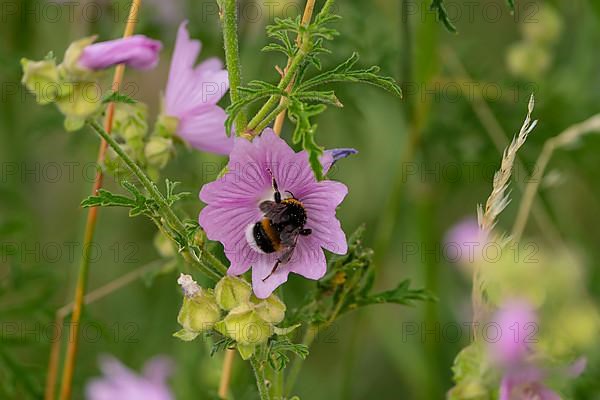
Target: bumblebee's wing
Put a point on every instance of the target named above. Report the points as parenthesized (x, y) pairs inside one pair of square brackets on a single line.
[(289, 239), (274, 211), (289, 236)]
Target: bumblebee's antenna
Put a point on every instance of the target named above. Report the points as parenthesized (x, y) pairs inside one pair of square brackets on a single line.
[(275, 188)]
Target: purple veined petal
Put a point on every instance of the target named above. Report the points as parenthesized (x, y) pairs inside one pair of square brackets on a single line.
[(228, 225), (577, 368), (242, 185), (328, 234), (206, 130), (261, 269), (308, 260), (323, 196), (138, 51), (241, 258), (290, 169), (330, 157)]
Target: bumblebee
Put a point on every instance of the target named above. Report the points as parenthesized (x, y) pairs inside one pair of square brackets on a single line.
[(279, 228)]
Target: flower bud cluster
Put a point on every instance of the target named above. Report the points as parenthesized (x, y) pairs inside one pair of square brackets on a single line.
[(66, 84), (230, 309)]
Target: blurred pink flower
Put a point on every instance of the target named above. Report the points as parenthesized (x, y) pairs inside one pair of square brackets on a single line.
[(517, 324), (119, 382), (192, 94), (233, 210), (512, 354), (136, 51), (464, 242), (527, 383)]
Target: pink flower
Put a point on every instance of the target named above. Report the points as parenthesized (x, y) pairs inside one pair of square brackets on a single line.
[(136, 51), (119, 382), (512, 354), (234, 210), (517, 324), (192, 94), (465, 242), (527, 383)]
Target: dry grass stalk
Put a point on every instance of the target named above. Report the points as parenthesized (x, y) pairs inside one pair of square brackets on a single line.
[(499, 198)]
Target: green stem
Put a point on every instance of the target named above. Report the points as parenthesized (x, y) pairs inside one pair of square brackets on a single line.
[(259, 374), (283, 84), (303, 49), (272, 115), (214, 271), (232, 58), (326, 7)]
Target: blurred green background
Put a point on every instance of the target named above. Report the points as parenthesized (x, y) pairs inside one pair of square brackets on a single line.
[(424, 164)]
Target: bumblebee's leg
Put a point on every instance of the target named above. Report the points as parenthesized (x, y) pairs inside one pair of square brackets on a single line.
[(275, 188), (285, 257), (305, 232), (273, 270), (291, 194)]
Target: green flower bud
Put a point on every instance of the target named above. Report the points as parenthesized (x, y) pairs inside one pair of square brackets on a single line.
[(232, 292), (70, 66), (77, 102), (166, 126), (158, 151), (199, 313), (245, 326), (41, 78), (130, 121), (270, 309)]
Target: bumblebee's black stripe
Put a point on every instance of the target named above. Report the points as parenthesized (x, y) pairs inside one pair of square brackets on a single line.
[(262, 239)]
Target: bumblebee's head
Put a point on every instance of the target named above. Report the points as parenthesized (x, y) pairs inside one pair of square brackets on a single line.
[(295, 211)]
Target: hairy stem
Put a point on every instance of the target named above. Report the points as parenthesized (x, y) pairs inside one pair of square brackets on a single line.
[(212, 271), (90, 228), (232, 58), (280, 109), (283, 84), (306, 17), (259, 375)]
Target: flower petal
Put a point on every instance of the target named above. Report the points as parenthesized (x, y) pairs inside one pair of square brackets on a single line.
[(180, 73), (205, 130), (136, 51), (158, 369), (261, 268)]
